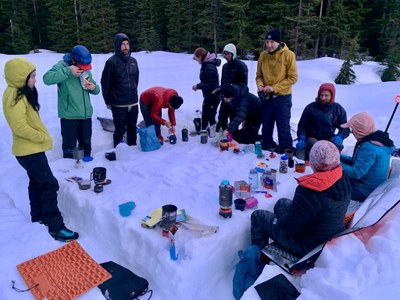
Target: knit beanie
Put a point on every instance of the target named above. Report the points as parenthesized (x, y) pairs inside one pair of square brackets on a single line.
[(231, 48), (273, 34), (175, 101), (362, 124), (324, 156)]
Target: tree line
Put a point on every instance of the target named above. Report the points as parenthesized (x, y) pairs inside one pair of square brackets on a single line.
[(346, 29)]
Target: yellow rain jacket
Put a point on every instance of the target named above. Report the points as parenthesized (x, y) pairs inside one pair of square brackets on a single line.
[(278, 70), (30, 135)]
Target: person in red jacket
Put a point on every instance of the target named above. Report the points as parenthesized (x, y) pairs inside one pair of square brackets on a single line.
[(152, 101)]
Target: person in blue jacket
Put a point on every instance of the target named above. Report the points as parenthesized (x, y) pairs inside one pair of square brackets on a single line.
[(369, 165), (321, 120)]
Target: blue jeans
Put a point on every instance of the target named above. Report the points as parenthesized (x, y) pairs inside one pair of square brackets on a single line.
[(42, 190), (277, 110)]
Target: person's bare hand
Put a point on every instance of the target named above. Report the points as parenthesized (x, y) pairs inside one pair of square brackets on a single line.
[(194, 88), (89, 85), (168, 124), (75, 70)]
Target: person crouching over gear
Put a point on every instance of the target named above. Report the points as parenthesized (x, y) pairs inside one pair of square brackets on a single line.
[(244, 109), (320, 120), (30, 141), (152, 101), (74, 85)]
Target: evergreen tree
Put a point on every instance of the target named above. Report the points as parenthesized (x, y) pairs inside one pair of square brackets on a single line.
[(147, 36), (20, 30), (177, 21), (5, 27), (61, 27), (127, 15), (346, 74), (99, 25)]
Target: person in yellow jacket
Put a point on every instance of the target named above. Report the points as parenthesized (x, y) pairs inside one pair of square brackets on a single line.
[(30, 141), (276, 73)]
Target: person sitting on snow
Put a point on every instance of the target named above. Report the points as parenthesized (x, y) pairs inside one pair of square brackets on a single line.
[(244, 109), (317, 210), (369, 165), (152, 101), (319, 121)]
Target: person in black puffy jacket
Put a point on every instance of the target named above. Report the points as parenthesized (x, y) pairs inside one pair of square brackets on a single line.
[(244, 109), (209, 81), (317, 210), (119, 84)]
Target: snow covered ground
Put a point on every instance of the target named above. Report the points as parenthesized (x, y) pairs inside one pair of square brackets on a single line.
[(188, 175)]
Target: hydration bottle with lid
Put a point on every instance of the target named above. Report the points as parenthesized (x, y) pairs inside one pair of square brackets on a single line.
[(253, 179), (283, 165)]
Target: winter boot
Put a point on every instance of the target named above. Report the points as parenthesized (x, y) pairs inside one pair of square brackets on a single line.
[(64, 235)]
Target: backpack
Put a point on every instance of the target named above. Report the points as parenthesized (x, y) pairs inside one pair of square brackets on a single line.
[(148, 138), (124, 284)]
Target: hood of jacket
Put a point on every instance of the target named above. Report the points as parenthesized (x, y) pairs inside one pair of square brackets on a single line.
[(321, 181), (119, 37), (17, 79), (327, 87)]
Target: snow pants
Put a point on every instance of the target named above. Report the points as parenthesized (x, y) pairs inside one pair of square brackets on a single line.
[(42, 190), (277, 110)]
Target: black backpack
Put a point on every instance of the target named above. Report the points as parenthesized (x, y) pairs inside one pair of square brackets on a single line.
[(124, 284)]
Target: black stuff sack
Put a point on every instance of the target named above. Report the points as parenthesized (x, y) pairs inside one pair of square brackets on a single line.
[(277, 288), (124, 284)]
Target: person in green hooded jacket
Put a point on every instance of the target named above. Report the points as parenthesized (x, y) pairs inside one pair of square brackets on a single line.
[(75, 84), (30, 141)]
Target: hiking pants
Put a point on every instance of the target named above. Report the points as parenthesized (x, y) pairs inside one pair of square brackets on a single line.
[(209, 110), (42, 190), (76, 130), (277, 110), (264, 225), (146, 113), (125, 119)]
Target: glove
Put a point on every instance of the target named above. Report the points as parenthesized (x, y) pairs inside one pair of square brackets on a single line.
[(337, 140), (262, 97), (301, 144)]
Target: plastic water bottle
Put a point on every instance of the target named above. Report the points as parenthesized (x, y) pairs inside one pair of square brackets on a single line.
[(197, 121), (253, 179), (283, 166), (122, 151)]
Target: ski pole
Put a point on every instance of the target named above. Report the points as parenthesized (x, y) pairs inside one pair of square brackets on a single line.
[(397, 100)]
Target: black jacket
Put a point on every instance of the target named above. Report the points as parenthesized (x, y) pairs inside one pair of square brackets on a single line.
[(313, 217), (234, 71), (321, 122), (209, 77), (120, 77), (243, 106)]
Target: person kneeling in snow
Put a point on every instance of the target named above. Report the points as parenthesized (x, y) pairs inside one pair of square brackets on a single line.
[(317, 210), (320, 120), (244, 109), (369, 165)]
